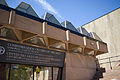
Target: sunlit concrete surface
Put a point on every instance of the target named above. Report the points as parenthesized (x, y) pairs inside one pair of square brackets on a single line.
[(107, 28)]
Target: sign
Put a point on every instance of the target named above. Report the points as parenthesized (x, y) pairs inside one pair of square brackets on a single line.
[(2, 50), (22, 54)]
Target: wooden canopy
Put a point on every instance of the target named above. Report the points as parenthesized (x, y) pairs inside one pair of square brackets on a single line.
[(27, 29)]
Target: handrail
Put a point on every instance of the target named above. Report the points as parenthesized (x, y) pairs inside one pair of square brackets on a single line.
[(109, 58)]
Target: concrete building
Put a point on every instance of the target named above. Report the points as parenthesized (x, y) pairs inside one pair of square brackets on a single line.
[(32, 48), (107, 28)]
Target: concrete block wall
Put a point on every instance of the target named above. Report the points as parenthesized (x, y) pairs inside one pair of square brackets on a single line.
[(107, 28)]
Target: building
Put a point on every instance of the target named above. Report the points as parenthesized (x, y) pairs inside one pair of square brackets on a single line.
[(33, 48), (107, 28)]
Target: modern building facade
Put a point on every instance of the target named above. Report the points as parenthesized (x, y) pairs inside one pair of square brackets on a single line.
[(33, 48)]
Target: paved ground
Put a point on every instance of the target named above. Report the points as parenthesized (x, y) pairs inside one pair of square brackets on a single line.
[(112, 74)]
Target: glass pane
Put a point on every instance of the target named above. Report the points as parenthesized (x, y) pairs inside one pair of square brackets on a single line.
[(21, 72), (91, 53), (69, 25), (7, 33), (36, 40), (26, 8), (51, 18), (4, 71), (23, 5), (24, 72), (43, 73), (77, 50), (58, 46), (55, 73)]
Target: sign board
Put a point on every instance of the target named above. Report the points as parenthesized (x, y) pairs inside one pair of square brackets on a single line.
[(22, 54)]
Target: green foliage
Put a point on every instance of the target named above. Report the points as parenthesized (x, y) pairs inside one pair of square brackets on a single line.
[(21, 72)]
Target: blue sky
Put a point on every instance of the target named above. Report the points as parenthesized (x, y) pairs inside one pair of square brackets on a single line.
[(79, 12)]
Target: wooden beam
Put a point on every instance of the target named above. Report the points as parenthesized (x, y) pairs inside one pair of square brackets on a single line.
[(12, 17), (46, 41), (2, 26), (18, 34), (29, 38), (52, 41)]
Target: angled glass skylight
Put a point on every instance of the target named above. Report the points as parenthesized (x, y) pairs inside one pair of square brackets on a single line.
[(51, 18), (83, 31), (79, 30), (68, 25), (3, 2), (26, 8)]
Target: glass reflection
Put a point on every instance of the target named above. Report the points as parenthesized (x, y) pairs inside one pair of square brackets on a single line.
[(25, 72), (8, 34), (36, 41), (77, 50), (21, 72), (42, 73), (45, 73)]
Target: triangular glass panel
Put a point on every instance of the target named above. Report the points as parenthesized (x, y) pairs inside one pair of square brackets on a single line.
[(91, 35), (8, 34), (36, 41), (77, 50), (26, 34), (79, 30), (3, 2), (26, 8), (91, 53), (83, 31), (72, 46), (69, 25), (59, 45), (49, 17)]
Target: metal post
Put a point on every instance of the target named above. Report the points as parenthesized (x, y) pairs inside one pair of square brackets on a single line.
[(33, 72), (60, 74), (52, 73), (9, 71), (110, 63)]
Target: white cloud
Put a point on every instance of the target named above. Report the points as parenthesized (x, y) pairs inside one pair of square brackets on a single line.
[(48, 7)]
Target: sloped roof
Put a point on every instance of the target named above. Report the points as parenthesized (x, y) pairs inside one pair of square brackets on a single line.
[(26, 8), (51, 18), (83, 31), (3, 2), (69, 25)]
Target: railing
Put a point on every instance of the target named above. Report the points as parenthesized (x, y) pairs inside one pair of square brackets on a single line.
[(109, 60)]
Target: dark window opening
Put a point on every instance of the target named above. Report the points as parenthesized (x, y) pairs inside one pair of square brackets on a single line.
[(27, 72)]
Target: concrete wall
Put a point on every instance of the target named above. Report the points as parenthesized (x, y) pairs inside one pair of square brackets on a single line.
[(80, 67), (107, 28)]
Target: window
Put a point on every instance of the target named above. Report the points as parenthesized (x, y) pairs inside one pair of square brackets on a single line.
[(27, 72)]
